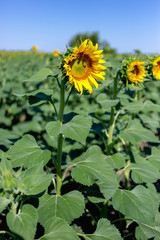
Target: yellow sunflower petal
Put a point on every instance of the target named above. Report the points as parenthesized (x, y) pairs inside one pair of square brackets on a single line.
[(87, 85), (93, 81)]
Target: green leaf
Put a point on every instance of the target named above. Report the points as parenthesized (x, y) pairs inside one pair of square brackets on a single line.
[(8, 179), (150, 106), (38, 97), (27, 126), (147, 231), (93, 168), (106, 103), (3, 203), (136, 133), (137, 204), (5, 164), (154, 159), (116, 160), (144, 171), (23, 223), (57, 229), (53, 128), (77, 129), (104, 231), (6, 136), (69, 206), (25, 152), (41, 75), (151, 121), (133, 107), (34, 180)]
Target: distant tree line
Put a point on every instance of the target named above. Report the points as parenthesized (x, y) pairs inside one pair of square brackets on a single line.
[(94, 37)]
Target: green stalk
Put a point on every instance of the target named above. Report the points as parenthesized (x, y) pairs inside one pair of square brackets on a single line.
[(8, 233), (112, 121), (60, 139)]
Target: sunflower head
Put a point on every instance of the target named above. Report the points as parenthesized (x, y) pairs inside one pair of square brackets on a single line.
[(56, 53), (34, 48), (156, 68), (132, 71), (136, 71), (83, 66)]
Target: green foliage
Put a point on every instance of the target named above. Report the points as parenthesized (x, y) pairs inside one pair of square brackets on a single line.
[(24, 223), (136, 133), (77, 129), (87, 172), (69, 206), (57, 228), (25, 152), (104, 231), (113, 187), (78, 38)]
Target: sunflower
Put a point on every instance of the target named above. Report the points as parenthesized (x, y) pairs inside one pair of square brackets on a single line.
[(83, 66), (136, 71), (34, 48), (156, 68), (56, 53)]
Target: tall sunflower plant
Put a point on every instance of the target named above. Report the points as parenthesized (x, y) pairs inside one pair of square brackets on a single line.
[(94, 182)]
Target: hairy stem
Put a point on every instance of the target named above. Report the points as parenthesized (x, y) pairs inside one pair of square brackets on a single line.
[(60, 140), (112, 120)]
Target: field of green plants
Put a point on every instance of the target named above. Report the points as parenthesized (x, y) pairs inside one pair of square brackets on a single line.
[(77, 166)]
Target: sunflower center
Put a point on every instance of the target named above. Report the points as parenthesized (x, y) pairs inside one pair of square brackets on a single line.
[(158, 63), (79, 68), (136, 70)]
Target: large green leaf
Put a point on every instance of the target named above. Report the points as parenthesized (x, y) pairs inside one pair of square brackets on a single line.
[(57, 229), (3, 203), (106, 103), (144, 171), (104, 231), (147, 231), (26, 152), (6, 136), (53, 128), (117, 160), (34, 180), (41, 75), (136, 133), (133, 107), (24, 223), (137, 204), (150, 106), (77, 129), (91, 168), (154, 159), (151, 121), (38, 97), (27, 126), (69, 206)]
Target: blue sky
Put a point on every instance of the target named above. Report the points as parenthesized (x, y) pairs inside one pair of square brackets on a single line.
[(50, 24)]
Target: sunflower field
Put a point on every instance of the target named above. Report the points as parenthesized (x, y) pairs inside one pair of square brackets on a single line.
[(79, 145)]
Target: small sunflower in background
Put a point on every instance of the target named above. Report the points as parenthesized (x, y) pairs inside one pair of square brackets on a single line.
[(56, 53), (133, 71), (156, 68), (136, 71), (83, 66), (153, 67), (34, 48)]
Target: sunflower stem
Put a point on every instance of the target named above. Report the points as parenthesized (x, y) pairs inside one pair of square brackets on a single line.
[(112, 119), (8, 233), (60, 139)]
